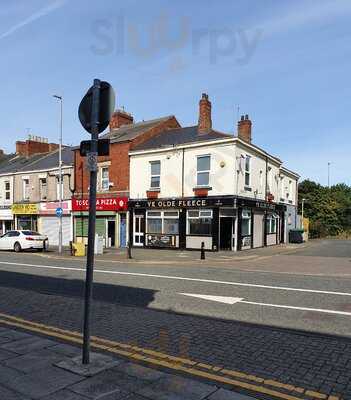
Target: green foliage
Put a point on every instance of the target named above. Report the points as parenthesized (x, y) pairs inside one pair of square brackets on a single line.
[(329, 209)]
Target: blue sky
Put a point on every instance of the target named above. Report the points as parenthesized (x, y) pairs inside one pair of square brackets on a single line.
[(285, 63)]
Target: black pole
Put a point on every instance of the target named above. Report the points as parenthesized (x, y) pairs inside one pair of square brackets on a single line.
[(130, 250), (92, 219), (202, 255)]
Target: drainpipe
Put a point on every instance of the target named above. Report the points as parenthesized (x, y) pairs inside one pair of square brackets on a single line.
[(183, 173)]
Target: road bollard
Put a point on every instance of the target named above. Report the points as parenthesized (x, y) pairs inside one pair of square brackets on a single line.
[(129, 248), (202, 257)]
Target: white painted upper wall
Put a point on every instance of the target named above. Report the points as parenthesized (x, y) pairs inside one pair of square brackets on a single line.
[(227, 172)]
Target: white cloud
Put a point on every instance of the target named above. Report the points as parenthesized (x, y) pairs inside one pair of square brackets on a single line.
[(38, 14)]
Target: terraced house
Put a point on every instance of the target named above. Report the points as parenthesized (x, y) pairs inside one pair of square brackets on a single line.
[(29, 188), (195, 185)]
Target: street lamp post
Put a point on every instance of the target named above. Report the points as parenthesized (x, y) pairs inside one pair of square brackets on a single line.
[(329, 174), (60, 170)]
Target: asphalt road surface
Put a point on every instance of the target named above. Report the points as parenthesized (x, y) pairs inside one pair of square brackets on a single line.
[(244, 316)]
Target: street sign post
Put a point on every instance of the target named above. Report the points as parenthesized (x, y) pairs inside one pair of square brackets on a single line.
[(95, 111), (59, 212)]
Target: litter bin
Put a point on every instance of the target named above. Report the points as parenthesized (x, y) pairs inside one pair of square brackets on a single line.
[(78, 249), (296, 235)]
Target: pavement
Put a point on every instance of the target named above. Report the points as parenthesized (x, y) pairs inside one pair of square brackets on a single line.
[(33, 367), (276, 326)]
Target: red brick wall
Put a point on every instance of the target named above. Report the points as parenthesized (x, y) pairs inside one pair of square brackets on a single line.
[(30, 147)]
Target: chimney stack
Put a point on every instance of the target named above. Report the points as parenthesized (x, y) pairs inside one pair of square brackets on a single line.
[(244, 128), (120, 118), (34, 145), (205, 121)]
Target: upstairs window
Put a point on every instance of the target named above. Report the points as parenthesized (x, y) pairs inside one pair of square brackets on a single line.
[(105, 179), (247, 171), (43, 189), (59, 188), (25, 189), (7, 190), (203, 170), (155, 167)]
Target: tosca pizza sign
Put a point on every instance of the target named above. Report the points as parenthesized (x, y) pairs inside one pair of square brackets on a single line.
[(102, 204)]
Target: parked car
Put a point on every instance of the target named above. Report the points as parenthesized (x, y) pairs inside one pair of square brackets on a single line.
[(23, 240)]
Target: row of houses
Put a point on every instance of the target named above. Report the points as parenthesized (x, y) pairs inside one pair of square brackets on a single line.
[(163, 185)]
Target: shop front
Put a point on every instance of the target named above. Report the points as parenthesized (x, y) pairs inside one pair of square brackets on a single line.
[(183, 223), (111, 220), (220, 223), (48, 222), (25, 216), (6, 219), (260, 223)]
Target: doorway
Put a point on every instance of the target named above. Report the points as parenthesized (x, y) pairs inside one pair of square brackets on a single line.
[(123, 231), (139, 228), (226, 233), (111, 233)]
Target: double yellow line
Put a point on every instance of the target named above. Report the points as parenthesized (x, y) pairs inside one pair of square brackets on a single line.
[(216, 374)]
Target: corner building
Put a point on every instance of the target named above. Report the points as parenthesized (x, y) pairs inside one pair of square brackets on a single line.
[(197, 185)]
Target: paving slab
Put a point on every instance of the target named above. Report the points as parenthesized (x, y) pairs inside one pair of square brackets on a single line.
[(139, 371), (7, 394), (9, 335), (64, 395), (27, 345), (44, 382), (177, 388), (66, 350), (97, 364), (5, 355), (34, 361), (8, 375), (108, 382)]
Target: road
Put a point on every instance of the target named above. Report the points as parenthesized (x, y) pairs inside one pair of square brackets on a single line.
[(254, 316)]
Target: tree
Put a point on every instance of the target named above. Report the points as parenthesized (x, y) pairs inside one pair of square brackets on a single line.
[(329, 209)]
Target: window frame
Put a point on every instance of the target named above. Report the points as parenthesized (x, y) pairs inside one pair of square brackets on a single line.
[(41, 192), (246, 214), (104, 180), (247, 171), (201, 215), (7, 191), (155, 162), (162, 215), (203, 171), (272, 224), (25, 189)]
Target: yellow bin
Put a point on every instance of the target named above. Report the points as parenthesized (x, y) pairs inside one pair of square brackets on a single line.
[(78, 249)]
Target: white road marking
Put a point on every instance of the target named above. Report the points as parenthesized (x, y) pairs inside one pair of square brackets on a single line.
[(180, 278), (234, 300), (220, 299)]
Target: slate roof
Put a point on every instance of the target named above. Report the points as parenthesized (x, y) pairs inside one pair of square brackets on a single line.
[(36, 162), (129, 132), (179, 136)]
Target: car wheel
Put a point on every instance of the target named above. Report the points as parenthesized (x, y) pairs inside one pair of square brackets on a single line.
[(17, 247), (40, 250)]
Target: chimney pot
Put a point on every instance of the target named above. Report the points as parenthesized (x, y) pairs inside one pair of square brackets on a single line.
[(205, 119)]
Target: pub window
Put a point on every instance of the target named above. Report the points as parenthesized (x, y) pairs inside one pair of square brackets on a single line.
[(247, 171), (199, 222), (203, 170), (246, 223), (271, 223), (163, 222), (155, 167), (7, 190)]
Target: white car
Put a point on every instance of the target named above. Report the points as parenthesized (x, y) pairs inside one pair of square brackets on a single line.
[(23, 240)]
